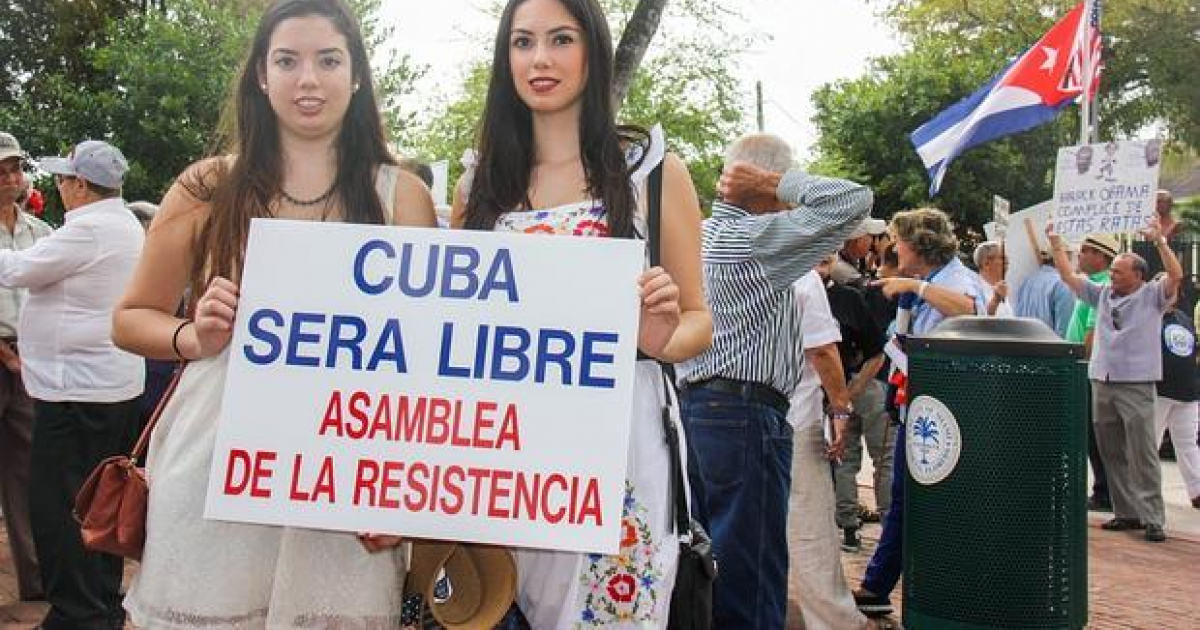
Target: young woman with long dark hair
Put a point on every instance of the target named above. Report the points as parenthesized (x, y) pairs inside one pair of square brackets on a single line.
[(551, 159), (308, 144)]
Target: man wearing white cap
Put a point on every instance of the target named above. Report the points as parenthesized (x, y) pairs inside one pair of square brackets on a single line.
[(854, 250), (84, 389), (21, 231), (872, 423)]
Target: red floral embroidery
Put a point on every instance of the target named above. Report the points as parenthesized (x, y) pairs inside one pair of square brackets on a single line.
[(622, 588), (540, 228), (591, 228), (629, 534)]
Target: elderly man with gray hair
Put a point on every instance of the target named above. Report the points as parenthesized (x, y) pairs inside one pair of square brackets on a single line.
[(992, 265), (1126, 363), (772, 226)]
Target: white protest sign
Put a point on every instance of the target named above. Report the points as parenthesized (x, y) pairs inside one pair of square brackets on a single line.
[(1023, 258), (441, 182), (1000, 211), (433, 383), (1106, 188), (989, 231)]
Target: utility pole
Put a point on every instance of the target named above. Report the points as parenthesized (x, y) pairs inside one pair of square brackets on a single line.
[(759, 105)]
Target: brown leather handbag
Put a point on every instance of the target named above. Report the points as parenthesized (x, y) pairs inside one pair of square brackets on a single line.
[(111, 504)]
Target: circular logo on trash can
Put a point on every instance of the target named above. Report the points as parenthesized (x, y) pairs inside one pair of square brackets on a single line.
[(1179, 340), (932, 440)]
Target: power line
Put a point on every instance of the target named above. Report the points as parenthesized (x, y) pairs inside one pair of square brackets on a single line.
[(785, 112)]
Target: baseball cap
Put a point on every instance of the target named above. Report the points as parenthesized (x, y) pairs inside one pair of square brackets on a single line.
[(9, 147), (1106, 243), (869, 226), (93, 161)]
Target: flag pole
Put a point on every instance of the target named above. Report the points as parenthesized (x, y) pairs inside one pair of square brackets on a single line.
[(1088, 118), (1085, 109)]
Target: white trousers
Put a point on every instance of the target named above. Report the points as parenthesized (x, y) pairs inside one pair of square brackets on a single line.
[(1182, 419), (816, 561)]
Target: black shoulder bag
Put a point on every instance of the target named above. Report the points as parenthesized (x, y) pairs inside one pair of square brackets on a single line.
[(692, 596)]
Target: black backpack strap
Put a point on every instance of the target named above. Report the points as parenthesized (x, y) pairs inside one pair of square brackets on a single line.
[(654, 216), (683, 523), (653, 226), (670, 430)]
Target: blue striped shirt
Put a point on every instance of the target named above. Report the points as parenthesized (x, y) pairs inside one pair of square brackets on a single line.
[(1043, 295), (750, 263)]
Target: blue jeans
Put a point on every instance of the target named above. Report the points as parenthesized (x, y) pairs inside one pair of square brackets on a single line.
[(743, 452), (887, 563)]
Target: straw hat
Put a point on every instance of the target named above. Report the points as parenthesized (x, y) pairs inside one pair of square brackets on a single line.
[(483, 582), (1105, 243)]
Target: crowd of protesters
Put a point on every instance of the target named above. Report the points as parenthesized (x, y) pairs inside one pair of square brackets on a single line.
[(775, 312)]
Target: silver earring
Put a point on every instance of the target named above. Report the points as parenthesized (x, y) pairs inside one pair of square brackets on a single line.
[(355, 87), (264, 87)]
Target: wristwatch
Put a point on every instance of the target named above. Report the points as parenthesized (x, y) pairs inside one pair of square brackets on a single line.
[(841, 413)]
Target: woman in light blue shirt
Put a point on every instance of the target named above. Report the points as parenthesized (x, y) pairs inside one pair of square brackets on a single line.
[(933, 285)]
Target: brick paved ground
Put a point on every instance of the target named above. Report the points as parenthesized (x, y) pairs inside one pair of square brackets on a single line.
[(1132, 584)]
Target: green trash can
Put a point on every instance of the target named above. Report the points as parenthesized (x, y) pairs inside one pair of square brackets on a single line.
[(995, 522)]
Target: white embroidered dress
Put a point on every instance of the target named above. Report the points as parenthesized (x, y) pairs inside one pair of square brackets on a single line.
[(632, 589), (197, 573)]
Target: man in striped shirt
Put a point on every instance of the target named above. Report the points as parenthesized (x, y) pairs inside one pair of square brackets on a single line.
[(774, 226)]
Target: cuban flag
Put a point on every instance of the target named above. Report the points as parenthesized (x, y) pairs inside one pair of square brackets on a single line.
[(1028, 93)]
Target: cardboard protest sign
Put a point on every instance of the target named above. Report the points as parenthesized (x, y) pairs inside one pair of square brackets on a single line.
[(1023, 257), (1105, 188), (432, 383), (1000, 212)]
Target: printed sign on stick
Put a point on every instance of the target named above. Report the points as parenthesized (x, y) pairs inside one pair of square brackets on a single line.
[(1000, 212), (432, 383)]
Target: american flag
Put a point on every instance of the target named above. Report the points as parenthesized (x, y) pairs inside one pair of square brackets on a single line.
[(1086, 53)]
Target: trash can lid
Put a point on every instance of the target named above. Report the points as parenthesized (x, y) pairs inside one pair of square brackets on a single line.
[(1003, 336)]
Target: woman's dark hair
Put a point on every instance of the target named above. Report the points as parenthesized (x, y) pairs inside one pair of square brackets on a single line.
[(242, 188), (505, 159)]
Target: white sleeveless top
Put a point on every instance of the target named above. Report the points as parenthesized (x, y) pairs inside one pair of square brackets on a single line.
[(197, 573), (631, 589)]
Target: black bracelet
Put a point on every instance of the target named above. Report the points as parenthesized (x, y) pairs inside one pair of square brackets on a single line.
[(175, 339)]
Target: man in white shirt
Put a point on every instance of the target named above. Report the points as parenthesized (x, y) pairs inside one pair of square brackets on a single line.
[(84, 388), (992, 265), (21, 231), (825, 599)]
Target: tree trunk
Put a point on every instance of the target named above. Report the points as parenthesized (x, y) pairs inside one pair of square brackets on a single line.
[(642, 26)]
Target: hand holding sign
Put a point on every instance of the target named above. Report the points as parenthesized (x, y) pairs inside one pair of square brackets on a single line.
[(374, 543), (1152, 231), (1055, 238), (215, 313), (660, 311)]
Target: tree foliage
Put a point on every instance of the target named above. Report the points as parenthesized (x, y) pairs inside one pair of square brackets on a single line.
[(44, 40), (952, 48), (152, 82)]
